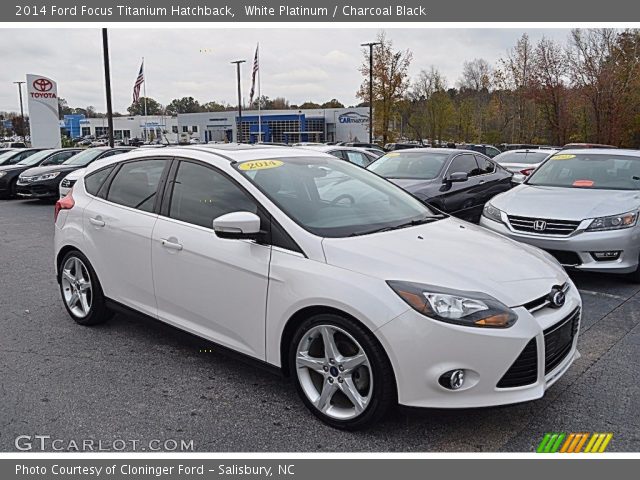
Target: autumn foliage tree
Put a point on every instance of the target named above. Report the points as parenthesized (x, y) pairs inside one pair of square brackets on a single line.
[(390, 84)]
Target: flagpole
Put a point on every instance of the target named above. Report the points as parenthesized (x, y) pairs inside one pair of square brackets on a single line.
[(260, 138), (144, 92)]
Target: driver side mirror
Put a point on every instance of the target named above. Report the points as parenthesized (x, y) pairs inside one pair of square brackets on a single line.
[(457, 177), (237, 226)]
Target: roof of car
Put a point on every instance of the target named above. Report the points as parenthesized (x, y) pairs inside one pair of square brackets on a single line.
[(600, 151), (548, 151), (433, 150)]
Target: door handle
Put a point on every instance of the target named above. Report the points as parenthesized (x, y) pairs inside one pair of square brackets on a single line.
[(482, 181), (97, 221), (171, 244)]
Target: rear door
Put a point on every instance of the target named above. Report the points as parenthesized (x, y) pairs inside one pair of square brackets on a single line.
[(210, 286), (118, 225)]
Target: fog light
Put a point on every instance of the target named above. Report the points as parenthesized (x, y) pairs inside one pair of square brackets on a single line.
[(609, 255), (452, 380)]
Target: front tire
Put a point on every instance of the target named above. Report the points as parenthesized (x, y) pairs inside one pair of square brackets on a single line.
[(341, 372), (81, 291)]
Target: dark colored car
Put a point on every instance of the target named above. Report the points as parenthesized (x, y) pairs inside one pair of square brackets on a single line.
[(44, 181), (455, 181), (13, 156), (9, 174)]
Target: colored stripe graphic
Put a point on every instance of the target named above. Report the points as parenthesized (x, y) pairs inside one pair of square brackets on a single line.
[(553, 442)]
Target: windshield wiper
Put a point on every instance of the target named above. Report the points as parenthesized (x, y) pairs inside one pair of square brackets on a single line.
[(412, 223)]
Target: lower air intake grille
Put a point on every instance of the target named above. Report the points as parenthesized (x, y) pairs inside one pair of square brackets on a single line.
[(558, 340), (524, 370)]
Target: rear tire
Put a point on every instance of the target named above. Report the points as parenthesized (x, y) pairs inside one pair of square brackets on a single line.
[(81, 291), (348, 385)]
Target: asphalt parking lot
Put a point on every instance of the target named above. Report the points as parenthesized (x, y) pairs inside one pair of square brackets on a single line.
[(142, 380)]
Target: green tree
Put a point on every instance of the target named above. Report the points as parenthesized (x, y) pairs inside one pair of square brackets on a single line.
[(309, 105), (333, 103), (183, 105), (153, 107)]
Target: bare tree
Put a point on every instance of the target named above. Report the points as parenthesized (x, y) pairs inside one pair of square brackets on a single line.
[(476, 75), (601, 72), (550, 74)]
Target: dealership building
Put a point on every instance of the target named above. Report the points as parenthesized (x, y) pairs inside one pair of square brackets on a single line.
[(281, 126)]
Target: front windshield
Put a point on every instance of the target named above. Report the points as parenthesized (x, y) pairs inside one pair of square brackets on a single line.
[(84, 158), (36, 158), (333, 198), (416, 165), (589, 170), (525, 158)]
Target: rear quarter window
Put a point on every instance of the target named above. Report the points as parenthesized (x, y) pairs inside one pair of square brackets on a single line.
[(93, 182)]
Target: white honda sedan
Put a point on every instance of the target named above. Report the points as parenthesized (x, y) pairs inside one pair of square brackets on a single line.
[(348, 284)]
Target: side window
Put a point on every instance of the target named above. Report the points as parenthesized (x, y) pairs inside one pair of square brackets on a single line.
[(357, 158), (136, 184), (339, 154), (93, 182), (485, 165), (201, 194), (464, 163)]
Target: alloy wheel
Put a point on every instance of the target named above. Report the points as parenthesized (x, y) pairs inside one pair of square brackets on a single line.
[(334, 372), (76, 287)]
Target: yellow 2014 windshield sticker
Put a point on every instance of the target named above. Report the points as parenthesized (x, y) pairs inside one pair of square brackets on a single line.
[(563, 156), (260, 165)]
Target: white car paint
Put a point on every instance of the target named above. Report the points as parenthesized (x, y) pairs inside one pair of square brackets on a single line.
[(242, 294)]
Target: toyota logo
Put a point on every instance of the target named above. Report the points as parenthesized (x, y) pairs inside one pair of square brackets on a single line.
[(42, 84), (557, 298), (539, 225)]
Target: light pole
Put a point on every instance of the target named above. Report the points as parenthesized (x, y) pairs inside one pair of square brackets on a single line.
[(107, 83), (370, 45), (239, 134), (24, 127)]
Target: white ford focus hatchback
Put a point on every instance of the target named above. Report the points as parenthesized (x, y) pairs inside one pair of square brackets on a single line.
[(354, 288)]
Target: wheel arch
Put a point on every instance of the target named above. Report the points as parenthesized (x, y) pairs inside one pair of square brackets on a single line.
[(61, 254), (298, 317)]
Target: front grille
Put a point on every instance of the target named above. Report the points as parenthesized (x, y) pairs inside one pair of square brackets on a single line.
[(68, 183), (558, 340), (566, 258), (543, 226), (524, 370)]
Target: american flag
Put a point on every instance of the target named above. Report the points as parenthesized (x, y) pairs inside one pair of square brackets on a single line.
[(256, 66), (139, 82)]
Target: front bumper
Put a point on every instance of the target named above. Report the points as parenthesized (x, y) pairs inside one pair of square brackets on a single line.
[(582, 244), (45, 189), (421, 350)]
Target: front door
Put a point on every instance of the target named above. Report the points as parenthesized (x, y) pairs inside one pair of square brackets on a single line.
[(210, 286)]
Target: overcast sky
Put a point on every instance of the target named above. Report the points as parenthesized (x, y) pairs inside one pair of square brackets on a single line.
[(299, 64)]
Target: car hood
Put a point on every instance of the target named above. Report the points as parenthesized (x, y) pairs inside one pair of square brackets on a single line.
[(50, 169), (453, 254), (565, 203), (8, 168)]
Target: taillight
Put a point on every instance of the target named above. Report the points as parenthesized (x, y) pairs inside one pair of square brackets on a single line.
[(527, 171), (65, 203)]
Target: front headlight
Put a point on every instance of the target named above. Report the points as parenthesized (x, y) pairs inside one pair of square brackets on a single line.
[(492, 213), (46, 176), (614, 222), (471, 309), (2, 174)]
